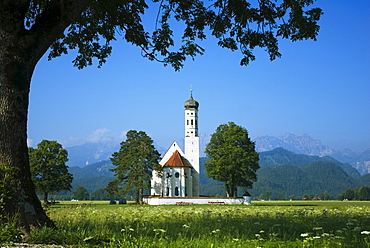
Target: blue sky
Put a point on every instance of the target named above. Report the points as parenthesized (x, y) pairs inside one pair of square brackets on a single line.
[(317, 88)]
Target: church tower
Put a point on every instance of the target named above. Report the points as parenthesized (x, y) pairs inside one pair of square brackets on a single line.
[(192, 139), (181, 169)]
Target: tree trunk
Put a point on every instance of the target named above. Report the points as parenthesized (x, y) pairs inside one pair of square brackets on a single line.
[(46, 198), (15, 75), (228, 190)]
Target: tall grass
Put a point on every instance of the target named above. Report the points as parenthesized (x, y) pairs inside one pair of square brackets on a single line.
[(272, 225)]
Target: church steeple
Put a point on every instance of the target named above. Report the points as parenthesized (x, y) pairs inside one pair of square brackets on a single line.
[(192, 139), (191, 116)]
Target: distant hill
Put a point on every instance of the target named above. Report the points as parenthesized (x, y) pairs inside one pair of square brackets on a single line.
[(90, 153), (92, 183), (92, 170), (282, 172), (304, 144), (313, 178), (280, 156)]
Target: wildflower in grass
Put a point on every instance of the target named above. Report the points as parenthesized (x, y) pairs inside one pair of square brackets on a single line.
[(365, 232), (262, 231), (257, 223), (185, 226), (159, 230), (235, 240), (316, 237), (317, 228), (304, 234), (215, 231), (349, 224)]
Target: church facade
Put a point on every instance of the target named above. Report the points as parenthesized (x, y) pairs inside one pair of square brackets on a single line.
[(181, 168)]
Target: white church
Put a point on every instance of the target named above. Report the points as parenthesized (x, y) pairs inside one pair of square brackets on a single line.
[(179, 183), (181, 169)]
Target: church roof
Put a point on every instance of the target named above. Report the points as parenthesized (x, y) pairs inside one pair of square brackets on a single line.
[(176, 160), (191, 103)]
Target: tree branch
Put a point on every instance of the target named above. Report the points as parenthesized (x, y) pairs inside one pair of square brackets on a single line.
[(52, 22)]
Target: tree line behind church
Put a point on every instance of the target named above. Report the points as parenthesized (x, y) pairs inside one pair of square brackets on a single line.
[(283, 175)]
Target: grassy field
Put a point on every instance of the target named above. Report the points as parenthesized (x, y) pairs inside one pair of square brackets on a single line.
[(263, 224)]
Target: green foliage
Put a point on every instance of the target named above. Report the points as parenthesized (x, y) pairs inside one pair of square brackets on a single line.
[(134, 163), (80, 193), (232, 158), (9, 231), (242, 25), (357, 194), (48, 167)]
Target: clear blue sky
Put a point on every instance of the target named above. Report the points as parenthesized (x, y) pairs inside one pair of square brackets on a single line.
[(317, 88)]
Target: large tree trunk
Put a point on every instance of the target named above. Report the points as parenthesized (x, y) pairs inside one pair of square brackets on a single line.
[(20, 197), (20, 50)]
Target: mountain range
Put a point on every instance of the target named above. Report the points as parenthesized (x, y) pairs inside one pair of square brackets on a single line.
[(282, 172), (90, 153)]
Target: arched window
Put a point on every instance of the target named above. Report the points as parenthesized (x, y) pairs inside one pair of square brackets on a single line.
[(176, 191), (167, 191), (177, 175), (192, 122)]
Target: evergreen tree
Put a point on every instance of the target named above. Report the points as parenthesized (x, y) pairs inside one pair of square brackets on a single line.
[(232, 158), (135, 161), (48, 167), (30, 28)]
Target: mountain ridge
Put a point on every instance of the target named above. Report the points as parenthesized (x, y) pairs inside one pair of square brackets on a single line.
[(289, 174), (89, 153)]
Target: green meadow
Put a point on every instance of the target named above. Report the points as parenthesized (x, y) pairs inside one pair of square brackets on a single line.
[(263, 224)]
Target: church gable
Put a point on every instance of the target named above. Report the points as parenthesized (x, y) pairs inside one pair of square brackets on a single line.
[(174, 147), (176, 160)]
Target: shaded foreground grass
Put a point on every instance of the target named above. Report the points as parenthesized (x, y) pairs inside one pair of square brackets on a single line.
[(264, 224)]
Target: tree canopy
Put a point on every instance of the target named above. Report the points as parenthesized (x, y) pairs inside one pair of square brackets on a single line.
[(29, 28), (92, 25), (80, 193), (48, 167), (232, 158), (135, 162)]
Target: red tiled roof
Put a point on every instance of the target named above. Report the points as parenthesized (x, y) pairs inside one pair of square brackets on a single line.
[(176, 160)]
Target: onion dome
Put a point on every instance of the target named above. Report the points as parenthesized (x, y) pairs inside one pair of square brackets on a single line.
[(191, 103)]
